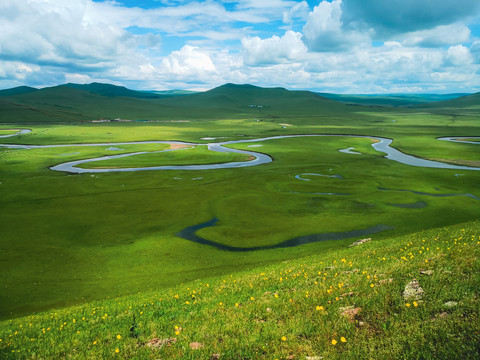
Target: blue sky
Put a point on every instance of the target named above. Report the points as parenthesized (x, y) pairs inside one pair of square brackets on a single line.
[(342, 46)]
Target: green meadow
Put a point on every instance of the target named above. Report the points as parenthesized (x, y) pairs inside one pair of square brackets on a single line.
[(345, 303), (74, 245)]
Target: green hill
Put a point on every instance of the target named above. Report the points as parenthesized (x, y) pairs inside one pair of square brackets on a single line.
[(96, 101), (17, 90), (470, 101), (391, 99), (80, 105), (410, 297), (248, 100), (24, 114), (74, 102), (114, 91)]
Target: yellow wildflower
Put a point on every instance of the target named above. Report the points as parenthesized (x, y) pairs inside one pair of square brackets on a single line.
[(334, 342), (342, 339)]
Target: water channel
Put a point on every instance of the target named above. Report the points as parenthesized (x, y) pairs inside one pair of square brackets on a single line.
[(189, 233), (382, 145)]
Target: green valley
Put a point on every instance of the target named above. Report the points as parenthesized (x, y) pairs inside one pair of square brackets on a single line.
[(72, 242)]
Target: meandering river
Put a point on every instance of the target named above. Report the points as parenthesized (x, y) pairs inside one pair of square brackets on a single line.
[(189, 233), (382, 145)]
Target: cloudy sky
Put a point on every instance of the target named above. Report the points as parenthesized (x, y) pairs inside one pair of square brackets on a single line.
[(342, 46)]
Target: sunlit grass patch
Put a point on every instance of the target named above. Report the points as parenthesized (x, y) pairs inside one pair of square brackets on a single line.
[(344, 304)]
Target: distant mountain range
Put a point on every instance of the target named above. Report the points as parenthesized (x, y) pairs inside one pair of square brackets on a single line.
[(392, 99), (87, 102), (104, 90)]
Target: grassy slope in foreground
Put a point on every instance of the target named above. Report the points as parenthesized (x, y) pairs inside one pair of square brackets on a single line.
[(288, 310)]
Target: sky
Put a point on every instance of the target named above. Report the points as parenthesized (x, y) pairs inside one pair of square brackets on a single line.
[(339, 46)]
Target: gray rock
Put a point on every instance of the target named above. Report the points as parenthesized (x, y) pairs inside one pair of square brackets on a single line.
[(413, 290), (360, 242), (159, 343), (426, 272), (450, 304)]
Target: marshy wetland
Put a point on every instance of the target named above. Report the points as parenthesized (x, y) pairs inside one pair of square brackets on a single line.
[(81, 221)]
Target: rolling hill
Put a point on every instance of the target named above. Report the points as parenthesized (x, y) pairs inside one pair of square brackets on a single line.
[(110, 90), (248, 100), (17, 90), (392, 99), (75, 102), (469, 101), (72, 102)]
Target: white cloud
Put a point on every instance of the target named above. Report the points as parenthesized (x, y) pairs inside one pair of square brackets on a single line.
[(274, 50), (180, 19), (78, 78), (299, 10), (16, 70), (58, 33), (188, 61), (394, 17), (458, 55), (392, 68), (438, 36), (46, 42), (475, 51), (324, 30)]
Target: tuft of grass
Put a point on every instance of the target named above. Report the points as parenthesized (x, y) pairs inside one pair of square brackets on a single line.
[(287, 310)]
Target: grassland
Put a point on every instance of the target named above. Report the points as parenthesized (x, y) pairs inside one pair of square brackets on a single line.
[(70, 239), (193, 155), (342, 304), (90, 236)]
